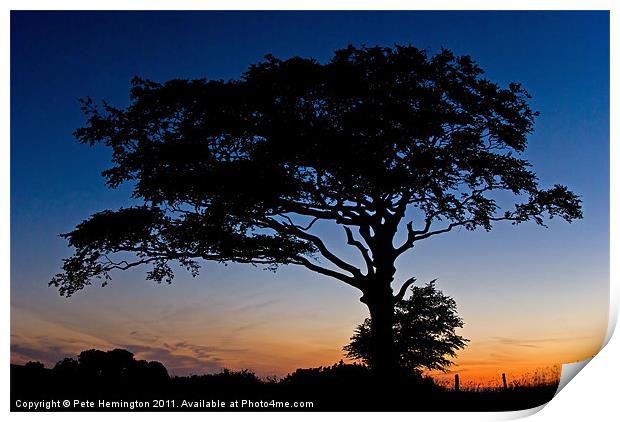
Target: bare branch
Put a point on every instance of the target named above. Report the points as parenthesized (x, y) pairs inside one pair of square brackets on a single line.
[(412, 235), (401, 206), (403, 289), (316, 241), (124, 265), (509, 217), (363, 250), (330, 213), (352, 281), (308, 227), (444, 230)]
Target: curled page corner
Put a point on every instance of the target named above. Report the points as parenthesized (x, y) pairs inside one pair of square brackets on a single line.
[(613, 313), (519, 414), (569, 370)]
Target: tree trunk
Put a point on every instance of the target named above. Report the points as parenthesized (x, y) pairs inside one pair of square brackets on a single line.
[(380, 302)]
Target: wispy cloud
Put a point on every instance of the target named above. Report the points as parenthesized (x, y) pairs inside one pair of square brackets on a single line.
[(530, 342), (180, 357), (144, 337), (257, 306), (21, 353), (177, 364)]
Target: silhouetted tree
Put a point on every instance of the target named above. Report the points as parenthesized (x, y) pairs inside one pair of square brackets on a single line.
[(246, 170), (424, 328), (34, 366), (115, 366), (93, 363), (67, 367), (147, 372)]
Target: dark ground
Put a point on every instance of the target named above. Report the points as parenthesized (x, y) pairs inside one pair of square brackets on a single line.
[(341, 387)]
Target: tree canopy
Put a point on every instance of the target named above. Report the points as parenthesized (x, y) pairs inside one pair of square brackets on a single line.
[(241, 170), (424, 328)]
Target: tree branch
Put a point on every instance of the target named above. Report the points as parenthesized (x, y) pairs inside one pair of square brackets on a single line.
[(325, 214), (124, 265), (363, 250), (403, 289), (411, 235), (308, 227), (316, 241), (352, 281), (509, 217)]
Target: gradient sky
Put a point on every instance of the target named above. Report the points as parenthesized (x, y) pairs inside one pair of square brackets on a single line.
[(530, 297)]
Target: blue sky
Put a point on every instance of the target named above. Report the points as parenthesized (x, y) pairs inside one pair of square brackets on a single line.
[(546, 283)]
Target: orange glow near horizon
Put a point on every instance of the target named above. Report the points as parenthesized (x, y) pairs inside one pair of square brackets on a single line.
[(280, 345)]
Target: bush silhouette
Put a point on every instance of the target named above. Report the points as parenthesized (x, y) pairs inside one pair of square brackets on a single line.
[(424, 331)]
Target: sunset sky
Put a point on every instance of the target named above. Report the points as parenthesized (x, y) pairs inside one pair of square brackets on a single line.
[(530, 297)]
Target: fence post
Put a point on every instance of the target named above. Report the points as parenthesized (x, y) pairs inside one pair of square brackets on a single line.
[(456, 383), (504, 381)]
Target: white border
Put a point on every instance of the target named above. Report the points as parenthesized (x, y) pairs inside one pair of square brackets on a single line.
[(593, 395)]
